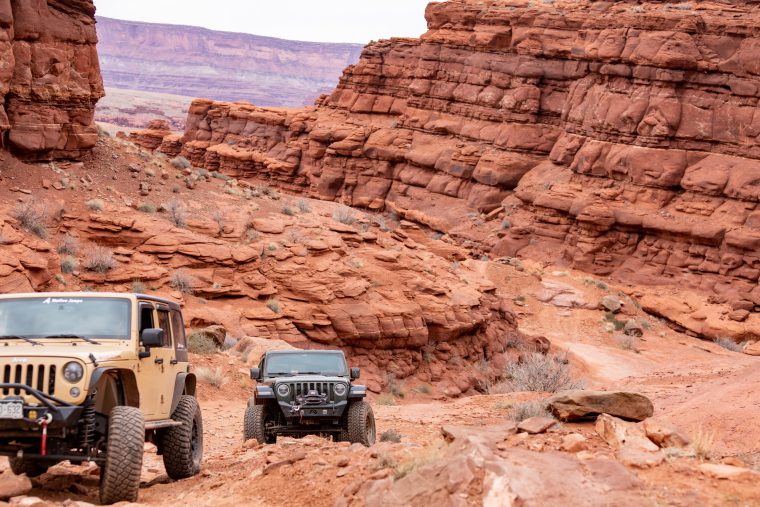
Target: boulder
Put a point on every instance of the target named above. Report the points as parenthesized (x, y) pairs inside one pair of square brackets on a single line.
[(721, 471), (611, 303), (574, 442), (13, 485), (665, 434), (621, 434), (536, 425), (580, 404)]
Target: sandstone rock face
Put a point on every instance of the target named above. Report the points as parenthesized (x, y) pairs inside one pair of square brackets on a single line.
[(49, 77), (620, 136)]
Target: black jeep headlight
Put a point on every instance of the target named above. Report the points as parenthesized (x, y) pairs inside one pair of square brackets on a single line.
[(283, 390), (73, 372), (340, 389)]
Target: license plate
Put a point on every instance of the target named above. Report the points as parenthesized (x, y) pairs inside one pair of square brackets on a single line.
[(11, 410)]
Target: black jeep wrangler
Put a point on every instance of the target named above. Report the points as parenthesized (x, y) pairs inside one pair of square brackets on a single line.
[(307, 392)]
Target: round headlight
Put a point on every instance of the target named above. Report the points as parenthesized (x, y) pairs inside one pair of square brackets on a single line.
[(339, 389), (73, 372), (283, 390)]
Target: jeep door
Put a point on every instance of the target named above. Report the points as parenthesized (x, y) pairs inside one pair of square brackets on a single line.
[(155, 375)]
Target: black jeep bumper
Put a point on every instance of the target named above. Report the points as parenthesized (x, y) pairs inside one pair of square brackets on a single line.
[(315, 412), (59, 413)]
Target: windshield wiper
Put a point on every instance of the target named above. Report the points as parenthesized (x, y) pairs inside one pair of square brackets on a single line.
[(18, 337), (78, 337)]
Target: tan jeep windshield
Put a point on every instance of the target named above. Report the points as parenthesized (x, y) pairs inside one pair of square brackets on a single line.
[(66, 317)]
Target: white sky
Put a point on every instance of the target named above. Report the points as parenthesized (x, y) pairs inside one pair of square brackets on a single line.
[(306, 20)]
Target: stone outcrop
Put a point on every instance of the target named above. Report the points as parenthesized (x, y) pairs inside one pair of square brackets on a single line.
[(49, 77), (619, 137)]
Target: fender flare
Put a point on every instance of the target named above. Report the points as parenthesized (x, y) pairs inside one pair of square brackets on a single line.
[(357, 392), (128, 383), (184, 383)]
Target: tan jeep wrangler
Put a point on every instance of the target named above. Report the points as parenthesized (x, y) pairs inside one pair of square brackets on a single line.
[(91, 377)]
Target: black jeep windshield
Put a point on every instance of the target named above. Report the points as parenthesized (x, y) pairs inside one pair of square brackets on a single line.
[(305, 363), (66, 317)]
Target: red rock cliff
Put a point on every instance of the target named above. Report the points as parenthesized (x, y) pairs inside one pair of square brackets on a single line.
[(621, 137), (49, 77)]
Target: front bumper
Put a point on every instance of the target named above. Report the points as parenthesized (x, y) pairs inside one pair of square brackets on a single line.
[(317, 412), (61, 414)]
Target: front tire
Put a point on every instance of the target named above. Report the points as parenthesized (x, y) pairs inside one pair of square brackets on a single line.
[(183, 445), (31, 468), (361, 423), (120, 476), (254, 425)]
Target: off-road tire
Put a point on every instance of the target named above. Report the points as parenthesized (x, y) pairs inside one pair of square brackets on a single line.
[(120, 475), (254, 425), (342, 436), (183, 445), (31, 468), (361, 423)]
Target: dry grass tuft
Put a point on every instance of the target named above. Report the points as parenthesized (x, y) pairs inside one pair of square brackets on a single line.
[(99, 259), (213, 377), (537, 372), (32, 219)]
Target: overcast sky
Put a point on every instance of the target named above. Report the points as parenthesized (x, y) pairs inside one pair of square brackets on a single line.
[(306, 20)]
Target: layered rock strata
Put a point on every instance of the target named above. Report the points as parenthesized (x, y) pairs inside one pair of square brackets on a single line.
[(49, 77), (620, 137)]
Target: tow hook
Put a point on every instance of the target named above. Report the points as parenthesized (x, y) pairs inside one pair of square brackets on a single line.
[(44, 421)]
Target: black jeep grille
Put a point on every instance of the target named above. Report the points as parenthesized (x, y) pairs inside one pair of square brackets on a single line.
[(303, 388), (40, 377)]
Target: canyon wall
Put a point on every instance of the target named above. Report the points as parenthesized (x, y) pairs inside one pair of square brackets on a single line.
[(618, 137), (196, 62), (49, 77)]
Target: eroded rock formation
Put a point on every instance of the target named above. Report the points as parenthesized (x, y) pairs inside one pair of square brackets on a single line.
[(620, 137), (49, 77)]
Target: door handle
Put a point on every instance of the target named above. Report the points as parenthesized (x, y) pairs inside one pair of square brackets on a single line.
[(173, 361), (159, 360)]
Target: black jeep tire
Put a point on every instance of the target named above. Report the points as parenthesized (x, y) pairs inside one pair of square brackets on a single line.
[(342, 436), (32, 468), (183, 445), (254, 425), (361, 423), (120, 475)]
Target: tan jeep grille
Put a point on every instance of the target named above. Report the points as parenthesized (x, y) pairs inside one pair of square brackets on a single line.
[(38, 376)]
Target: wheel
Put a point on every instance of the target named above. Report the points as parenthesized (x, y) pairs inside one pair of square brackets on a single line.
[(29, 467), (361, 423), (183, 445), (342, 436), (254, 425), (120, 476)]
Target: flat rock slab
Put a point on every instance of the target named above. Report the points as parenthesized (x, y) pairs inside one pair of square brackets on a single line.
[(620, 434), (639, 459), (14, 485), (579, 404), (726, 472), (536, 425)]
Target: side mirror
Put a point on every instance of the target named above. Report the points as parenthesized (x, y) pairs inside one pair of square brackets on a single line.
[(255, 373), (355, 373), (152, 337)]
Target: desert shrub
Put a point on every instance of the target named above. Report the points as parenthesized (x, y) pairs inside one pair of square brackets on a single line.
[(617, 325), (537, 372), (201, 342), (181, 281), (138, 287), (68, 264), (729, 344), (220, 176), (518, 412), (32, 219), (220, 220), (344, 215), (425, 457), (177, 212), (274, 305), (702, 442), (423, 389), (287, 210), (390, 436), (626, 342), (95, 204), (180, 162), (69, 245), (99, 259), (303, 206), (506, 224), (211, 376), (386, 399), (146, 207)]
